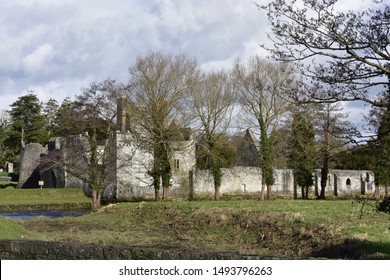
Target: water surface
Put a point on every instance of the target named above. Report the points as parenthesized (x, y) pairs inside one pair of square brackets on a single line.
[(27, 215)]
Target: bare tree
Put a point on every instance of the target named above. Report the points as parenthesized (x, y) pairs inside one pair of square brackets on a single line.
[(263, 90), (334, 132), (159, 85), (213, 102), (349, 51), (87, 156)]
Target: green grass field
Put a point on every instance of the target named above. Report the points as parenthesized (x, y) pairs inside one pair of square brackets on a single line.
[(12, 196), (283, 227)]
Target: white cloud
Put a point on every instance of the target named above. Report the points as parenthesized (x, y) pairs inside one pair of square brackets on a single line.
[(36, 62), (64, 41)]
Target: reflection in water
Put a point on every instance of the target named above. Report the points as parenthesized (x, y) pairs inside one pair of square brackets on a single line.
[(27, 215)]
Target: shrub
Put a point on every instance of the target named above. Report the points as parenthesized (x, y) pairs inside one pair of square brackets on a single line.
[(384, 205), (6, 185)]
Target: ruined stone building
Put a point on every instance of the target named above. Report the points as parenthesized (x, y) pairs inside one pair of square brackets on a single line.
[(245, 176), (132, 161), (36, 164)]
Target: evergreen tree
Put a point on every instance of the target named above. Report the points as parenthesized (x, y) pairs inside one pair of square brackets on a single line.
[(382, 163), (4, 130), (28, 124), (357, 158), (302, 157), (50, 110), (65, 116)]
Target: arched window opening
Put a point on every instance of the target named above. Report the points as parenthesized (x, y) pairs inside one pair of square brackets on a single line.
[(348, 184)]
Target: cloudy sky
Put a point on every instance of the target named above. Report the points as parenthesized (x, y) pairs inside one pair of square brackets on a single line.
[(57, 47)]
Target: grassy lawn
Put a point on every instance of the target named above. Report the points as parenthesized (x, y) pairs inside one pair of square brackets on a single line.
[(281, 227), (12, 196)]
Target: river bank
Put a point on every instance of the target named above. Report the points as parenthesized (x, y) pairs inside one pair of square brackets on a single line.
[(281, 228), (48, 206)]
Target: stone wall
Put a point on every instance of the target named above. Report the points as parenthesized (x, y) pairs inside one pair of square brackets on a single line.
[(348, 181), (241, 180), (40, 163), (134, 162), (183, 160), (42, 250), (29, 161)]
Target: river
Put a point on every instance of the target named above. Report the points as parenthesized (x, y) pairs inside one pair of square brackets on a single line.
[(27, 215)]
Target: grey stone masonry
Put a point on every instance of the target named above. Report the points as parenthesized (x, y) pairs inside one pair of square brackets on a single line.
[(241, 180), (134, 163), (29, 161)]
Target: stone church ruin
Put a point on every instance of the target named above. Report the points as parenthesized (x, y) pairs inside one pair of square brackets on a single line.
[(132, 160)]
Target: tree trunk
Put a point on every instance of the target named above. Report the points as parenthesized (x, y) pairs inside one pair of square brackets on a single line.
[(156, 185), (216, 171), (96, 200), (269, 192), (303, 192), (262, 192), (156, 194), (324, 179), (322, 194), (316, 186), (217, 194), (165, 193), (165, 179), (376, 193), (307, 192), (295, 190), (191, 187)]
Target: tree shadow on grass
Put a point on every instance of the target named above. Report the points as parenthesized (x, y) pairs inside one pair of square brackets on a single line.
[(355, 249)]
